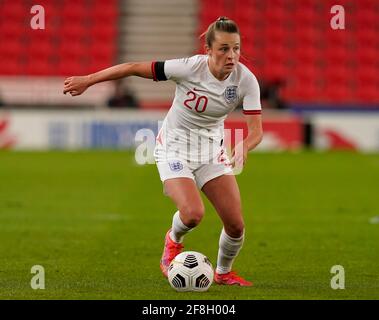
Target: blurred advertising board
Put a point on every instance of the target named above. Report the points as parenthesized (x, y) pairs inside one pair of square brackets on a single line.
[(345, 131), (69, 130)]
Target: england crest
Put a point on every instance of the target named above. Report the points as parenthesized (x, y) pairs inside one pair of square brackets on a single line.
[(230, 94), (176, 165)]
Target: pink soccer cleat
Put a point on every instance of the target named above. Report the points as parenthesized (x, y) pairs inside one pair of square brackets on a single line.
[(231, 278), (170, 251)]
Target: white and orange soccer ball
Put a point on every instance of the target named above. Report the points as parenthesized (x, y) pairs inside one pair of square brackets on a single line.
[(190, 271)]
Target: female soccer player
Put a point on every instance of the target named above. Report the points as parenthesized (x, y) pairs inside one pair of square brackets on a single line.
[(189, 151)]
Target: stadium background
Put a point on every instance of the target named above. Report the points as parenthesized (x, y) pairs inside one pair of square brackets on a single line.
[(64, 210)]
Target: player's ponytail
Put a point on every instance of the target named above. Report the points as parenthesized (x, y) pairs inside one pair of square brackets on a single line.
[(222, 24)]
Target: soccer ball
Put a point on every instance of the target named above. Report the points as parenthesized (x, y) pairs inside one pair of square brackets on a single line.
[(190, 271)]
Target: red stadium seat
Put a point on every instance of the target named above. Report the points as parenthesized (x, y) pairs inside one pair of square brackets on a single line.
[(276, 72), (274, 36), (368, 56), (103, 14), (307, 83), (367, 17), (275, 15), (338, 38), (369, 4), (367, 75), (40, 67), (307, 73), (49, 34), (102, 54), (304, 16), (282, 4), (11, 30), (69, 67), (102, 34), (367, 36), (15, 11), (279, 54), (12, 67), (11, 48), (75, 12), (73, 32), (244, 15), (11, 57), (307, 36), (368, 93), (306, 4), (338, 93), (307, 55), (210, 10), (301, 93), (337, 75), (41, 50), (71, 50), (337, 55)]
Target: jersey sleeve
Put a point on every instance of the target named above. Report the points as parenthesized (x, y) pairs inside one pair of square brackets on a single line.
[(174, 69), (251, 100)]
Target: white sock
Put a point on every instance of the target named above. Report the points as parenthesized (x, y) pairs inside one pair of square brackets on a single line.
[(228, 249), (179, 229)]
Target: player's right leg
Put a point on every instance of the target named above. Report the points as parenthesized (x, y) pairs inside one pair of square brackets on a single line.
[(223, 193), (184, 193)]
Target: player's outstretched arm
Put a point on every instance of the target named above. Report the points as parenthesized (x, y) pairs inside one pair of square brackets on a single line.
[(78, 84)]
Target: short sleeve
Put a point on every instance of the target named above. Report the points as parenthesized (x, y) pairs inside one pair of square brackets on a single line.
[(178, 69), (174, 69), (251, 100)]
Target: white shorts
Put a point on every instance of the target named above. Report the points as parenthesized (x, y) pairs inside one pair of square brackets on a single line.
[(201, 173)]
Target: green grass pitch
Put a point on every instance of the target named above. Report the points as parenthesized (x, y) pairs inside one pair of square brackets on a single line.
[(96, 220)]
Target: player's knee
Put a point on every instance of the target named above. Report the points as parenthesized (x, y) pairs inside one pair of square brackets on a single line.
[(192, 214), (235, 230)]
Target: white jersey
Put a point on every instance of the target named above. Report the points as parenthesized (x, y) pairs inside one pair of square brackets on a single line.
[(201, 104)]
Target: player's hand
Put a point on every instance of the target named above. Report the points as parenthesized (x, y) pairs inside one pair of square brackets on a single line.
[(76, 85), (239, 155)]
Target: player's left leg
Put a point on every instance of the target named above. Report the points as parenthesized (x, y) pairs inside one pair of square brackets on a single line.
[(223, 193)]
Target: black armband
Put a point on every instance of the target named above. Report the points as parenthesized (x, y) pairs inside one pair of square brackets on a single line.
[(157, 68)]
